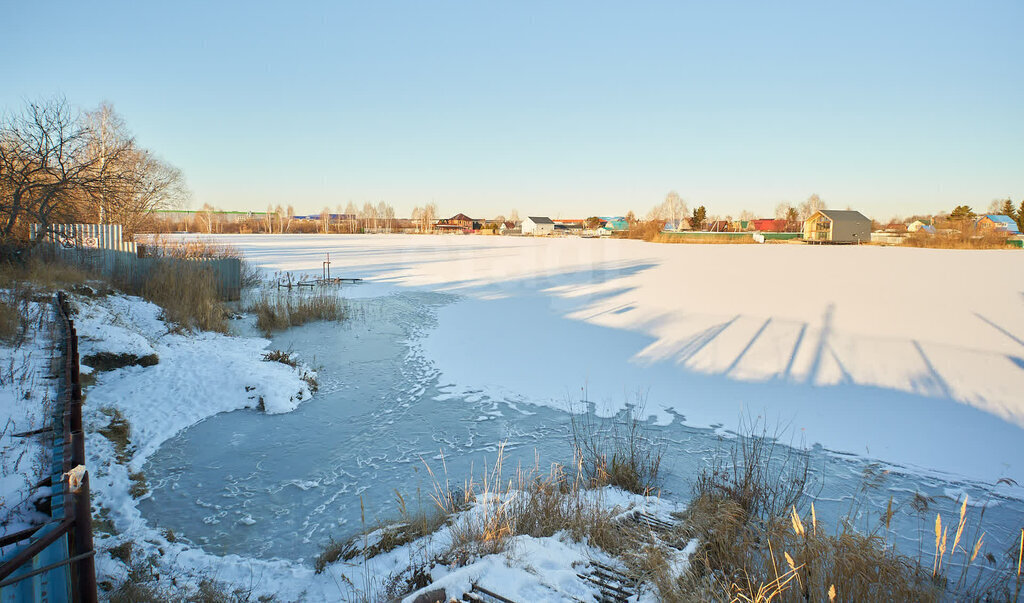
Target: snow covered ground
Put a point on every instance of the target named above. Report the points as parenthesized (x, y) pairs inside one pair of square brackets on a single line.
[(25, 405), (911, 356)]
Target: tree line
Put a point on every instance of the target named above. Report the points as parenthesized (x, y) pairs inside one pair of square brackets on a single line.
[(59, 165)]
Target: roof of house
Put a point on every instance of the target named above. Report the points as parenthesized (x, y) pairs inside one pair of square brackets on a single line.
[(843, 215), (461, 217), (539, 220), (1005, 221)]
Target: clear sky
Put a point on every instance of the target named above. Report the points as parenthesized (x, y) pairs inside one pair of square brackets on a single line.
[(554, 108)]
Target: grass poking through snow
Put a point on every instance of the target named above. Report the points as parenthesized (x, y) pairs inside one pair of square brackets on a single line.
[(276, 312)]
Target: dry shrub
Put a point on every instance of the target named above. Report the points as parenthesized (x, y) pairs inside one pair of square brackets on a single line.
[(118, 431), (40, 273), (761, 475), (752, 557), (533, 502), (755, 545), (282, 357), (187, 292), (709, 239), (10, 321), (483, 515), (617, 451), (203, 249), (968, 238), (646, 231), (276, 312)]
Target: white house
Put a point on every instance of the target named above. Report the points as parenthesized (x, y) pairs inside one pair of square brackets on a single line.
[(538, 226), (917, 225)]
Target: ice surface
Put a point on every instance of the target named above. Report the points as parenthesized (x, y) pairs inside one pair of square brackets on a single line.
[(887, 352)]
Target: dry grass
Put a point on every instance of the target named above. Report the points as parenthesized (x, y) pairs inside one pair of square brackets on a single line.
[(143, 582), (109, 361), (279, 311), (708, 239), (764, 477), (755, 545), (535, 502), (282, 357), (188, 294), (483, 515), (969, 238), (616, 451), (10, 321), (139, 487), (43, 275), (202, 249), (118, 431)]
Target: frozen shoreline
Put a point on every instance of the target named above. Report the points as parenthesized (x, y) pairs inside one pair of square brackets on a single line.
[(202, 375)]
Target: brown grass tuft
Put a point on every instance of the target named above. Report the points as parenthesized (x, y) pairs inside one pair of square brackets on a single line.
[(118, 431), (617, 451), (187, 292), (276, 312)]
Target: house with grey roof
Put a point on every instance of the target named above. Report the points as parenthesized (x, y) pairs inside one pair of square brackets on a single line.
[(837, 226), (538, 226)]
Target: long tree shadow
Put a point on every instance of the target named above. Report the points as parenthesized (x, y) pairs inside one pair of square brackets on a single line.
[(1001, 329)]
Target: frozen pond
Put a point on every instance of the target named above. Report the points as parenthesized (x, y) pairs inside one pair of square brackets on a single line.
[(271, 486)]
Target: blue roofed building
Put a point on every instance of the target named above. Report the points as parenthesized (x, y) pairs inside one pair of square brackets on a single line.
[(997, 222)]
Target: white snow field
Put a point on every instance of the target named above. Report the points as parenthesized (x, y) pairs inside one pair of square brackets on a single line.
[(913, 357)]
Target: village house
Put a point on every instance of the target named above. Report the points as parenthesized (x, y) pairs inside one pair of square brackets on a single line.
[(770, 225), (458, 223), (922, 225), (538, 226), (837, 226), (997, 222)]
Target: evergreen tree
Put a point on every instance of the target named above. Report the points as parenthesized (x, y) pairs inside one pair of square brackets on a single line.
[(961, 212), (699, 216), (1007, 209)]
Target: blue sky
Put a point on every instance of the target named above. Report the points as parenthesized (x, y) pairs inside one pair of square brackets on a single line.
[(559, 108)]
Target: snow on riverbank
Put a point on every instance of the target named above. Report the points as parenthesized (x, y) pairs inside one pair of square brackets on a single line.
[(197, 376), (26, 394), (886, 352), (204, 374)]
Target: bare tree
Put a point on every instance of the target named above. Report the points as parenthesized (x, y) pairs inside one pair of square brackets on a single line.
[(811, 205), (270, 219), (47, 168), (417, 217), (672, 209), (350, 211), (205, 216), (289, 216), (430, 216), (386, 214), (325, 219), (107, 132), (132, 181)]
